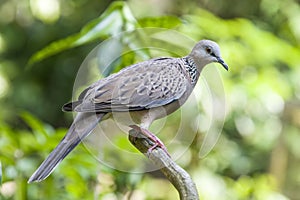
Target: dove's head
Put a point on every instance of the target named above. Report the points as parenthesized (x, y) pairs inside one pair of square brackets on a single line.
[(205, 52)]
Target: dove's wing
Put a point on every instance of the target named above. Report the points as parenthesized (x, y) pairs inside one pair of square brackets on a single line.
[(146, 85)]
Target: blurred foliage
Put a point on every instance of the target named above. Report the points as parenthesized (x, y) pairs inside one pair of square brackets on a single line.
[(257, 155), (115, 19)]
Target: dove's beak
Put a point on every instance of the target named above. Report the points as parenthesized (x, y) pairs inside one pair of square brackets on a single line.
[(222, 62)]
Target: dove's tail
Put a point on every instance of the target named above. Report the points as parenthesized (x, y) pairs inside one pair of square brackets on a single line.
[(83, 124)]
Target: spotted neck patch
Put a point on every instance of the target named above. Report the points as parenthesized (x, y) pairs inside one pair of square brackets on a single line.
[(191, 69)]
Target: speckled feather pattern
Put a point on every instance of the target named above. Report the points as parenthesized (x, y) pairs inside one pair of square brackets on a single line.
[(145, 85)]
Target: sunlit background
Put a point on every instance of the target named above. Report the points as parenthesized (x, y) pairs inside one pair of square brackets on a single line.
[(257, 155)]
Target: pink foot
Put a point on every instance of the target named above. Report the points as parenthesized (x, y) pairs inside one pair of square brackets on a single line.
[(151, 136)]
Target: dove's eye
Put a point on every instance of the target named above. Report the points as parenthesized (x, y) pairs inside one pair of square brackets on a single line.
[(208, 50)]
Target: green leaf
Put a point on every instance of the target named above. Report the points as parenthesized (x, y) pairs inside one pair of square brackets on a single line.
[(52, 49), (160, 22), (35, 124), (0, 173), (115, 19)]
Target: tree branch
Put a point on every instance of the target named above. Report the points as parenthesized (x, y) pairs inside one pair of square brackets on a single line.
[(175, 174)]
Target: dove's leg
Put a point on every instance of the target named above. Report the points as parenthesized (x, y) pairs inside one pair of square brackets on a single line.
[(151, 136)]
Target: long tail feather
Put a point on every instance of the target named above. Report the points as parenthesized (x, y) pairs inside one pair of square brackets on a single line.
[(83, 124)]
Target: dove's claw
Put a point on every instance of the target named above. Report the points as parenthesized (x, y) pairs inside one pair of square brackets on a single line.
[(151, 136)]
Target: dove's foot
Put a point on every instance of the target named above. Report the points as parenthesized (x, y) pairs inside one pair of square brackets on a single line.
[(151, 136)]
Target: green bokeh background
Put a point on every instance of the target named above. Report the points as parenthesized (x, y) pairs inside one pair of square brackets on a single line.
[(43, 43)]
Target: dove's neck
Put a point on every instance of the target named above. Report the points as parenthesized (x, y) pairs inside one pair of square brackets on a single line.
[(191, 69)]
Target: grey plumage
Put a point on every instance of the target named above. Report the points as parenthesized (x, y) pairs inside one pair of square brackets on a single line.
[(148, 90)]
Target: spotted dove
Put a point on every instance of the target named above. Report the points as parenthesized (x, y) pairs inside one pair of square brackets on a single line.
[(147, 90)]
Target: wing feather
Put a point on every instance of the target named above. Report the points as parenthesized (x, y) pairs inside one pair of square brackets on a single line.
[(145, 85)]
